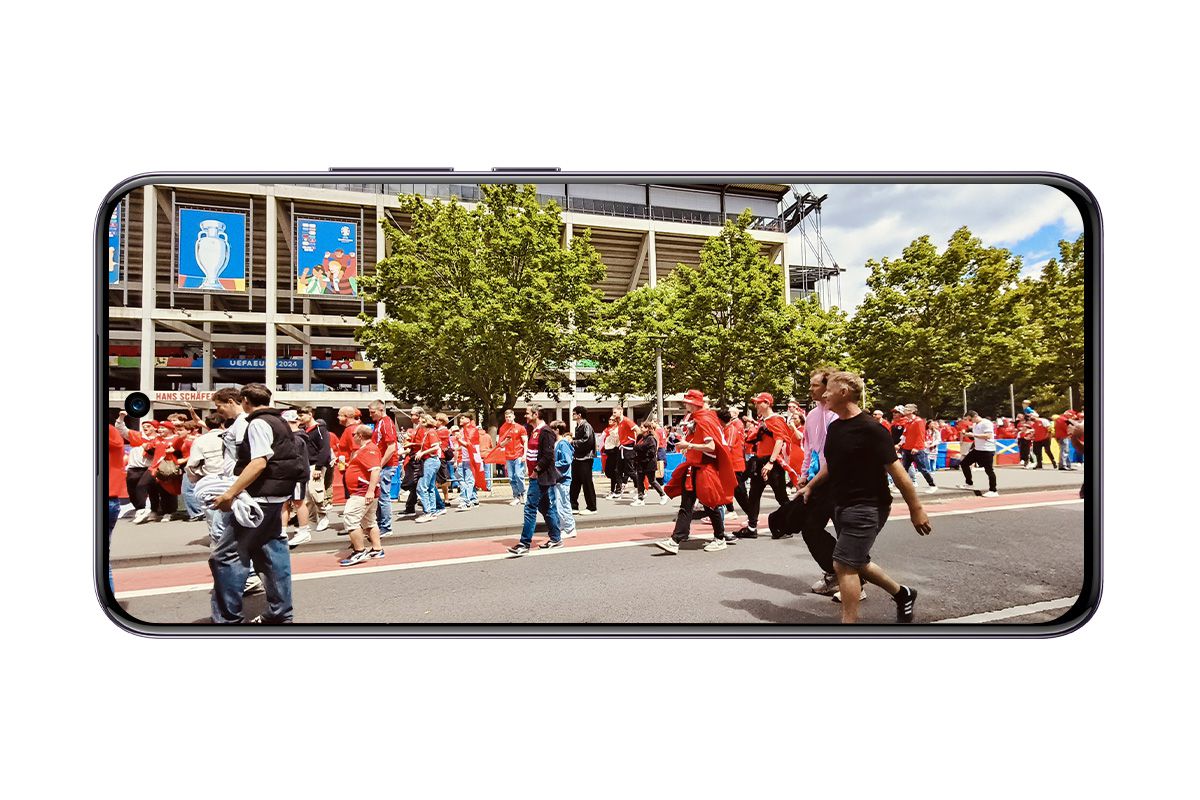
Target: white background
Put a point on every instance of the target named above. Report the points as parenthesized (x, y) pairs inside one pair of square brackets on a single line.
[(97, 93)]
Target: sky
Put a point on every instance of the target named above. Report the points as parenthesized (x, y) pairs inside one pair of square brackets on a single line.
[(865, 221)]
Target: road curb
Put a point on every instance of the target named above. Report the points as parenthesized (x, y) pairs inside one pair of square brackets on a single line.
[(429, 533)]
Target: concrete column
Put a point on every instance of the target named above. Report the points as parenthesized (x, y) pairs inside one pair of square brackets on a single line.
[(787, 279), (651, 251), (149, 276), (380, 308), (568, 234), (271, 352), (206, 351)]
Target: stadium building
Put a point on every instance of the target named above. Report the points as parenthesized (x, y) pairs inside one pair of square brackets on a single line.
[(280, 305)]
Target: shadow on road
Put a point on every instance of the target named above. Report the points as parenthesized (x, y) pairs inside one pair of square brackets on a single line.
[(767, 611), (783, 582)]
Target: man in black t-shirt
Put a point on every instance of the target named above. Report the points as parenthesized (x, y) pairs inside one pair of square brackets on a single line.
[(859, 456)]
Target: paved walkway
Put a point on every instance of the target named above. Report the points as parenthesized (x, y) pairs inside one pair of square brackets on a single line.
[(180, 542)]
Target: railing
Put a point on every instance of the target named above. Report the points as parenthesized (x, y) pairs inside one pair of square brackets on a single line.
[(586, 205)]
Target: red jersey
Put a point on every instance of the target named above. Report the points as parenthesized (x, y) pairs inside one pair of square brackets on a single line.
[(1041, 429), (431, 440), (509, 437), (345, 443), (531, 449), (386, 434), (358, 470), (627, 432), (914, 434), (735, 435), (1062, 425), (661, 435), (776, 430), (116, 464), (443, 437)]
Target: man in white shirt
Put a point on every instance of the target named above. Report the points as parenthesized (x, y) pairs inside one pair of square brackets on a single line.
[(982, 437)]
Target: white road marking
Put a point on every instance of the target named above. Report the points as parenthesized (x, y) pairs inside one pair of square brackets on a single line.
[(1009, 613), (373, 569)]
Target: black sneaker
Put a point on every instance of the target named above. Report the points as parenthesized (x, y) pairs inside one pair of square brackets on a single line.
[(518, 549), (746, 533), (779, 535), (905, 599), (550, 545)]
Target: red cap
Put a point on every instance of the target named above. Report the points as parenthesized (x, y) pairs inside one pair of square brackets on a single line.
[(150, 422), (694, 396), (765, 397), (168, 425)]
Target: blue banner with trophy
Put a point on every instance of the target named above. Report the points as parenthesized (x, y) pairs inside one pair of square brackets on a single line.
[(212, 250), (327, 257), (114, 247)]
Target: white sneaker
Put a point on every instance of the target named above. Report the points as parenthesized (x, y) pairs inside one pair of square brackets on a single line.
[(670, 545), (424, 518), (662, 501), (464, 508), (253, 585), (303, 535), (574, 512), (617, 496), (966, 487), (141, 515), (837, 596), (638, 502), (516, 501), (570, 535), (583, 512), (827, 585), (322, 523), (991, 494), (714, 546), (931, 490)]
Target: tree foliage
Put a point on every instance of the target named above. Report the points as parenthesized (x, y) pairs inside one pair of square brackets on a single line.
[(934, 323), (484, 305), (723, 327)]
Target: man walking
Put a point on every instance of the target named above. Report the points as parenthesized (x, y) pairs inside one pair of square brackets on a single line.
[(627, 433), (387, 440), (360, 515), (912, 447), (513, 438), (267, 465), (706, 474), (1041, 441), (584, 441), (982, 437), (769, 442), (564, 456), (858, 454), (319, 457), (539, 460)]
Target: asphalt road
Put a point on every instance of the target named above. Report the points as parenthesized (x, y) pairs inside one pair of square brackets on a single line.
[(973, 563)]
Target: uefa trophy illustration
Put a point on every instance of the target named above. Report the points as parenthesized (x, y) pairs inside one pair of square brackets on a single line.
[(212, 252)]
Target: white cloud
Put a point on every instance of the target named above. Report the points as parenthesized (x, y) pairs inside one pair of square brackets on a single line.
[(873, 221)]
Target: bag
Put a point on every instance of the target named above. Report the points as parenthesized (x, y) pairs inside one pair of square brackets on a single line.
[(166, 470), (411, 475)]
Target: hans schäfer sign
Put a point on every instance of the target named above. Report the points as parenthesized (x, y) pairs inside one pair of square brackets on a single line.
[(327, 257), (114, 247), (212, 250)]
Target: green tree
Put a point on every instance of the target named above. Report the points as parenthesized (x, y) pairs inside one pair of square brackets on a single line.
[(484, 305), (723, 327), (1056, 300), (935, 322)]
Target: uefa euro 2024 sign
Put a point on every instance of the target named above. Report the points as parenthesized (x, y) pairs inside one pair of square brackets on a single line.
[(212, 250), (327, 258)]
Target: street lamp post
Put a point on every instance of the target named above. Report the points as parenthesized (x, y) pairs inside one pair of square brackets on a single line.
[(658, 340)]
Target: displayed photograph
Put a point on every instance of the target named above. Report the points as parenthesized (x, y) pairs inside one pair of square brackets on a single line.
[(597, 404)]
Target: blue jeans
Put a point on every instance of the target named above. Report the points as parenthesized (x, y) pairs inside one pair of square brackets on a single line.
[(231, 560), (920, 459), (466, 485), (431, 498), (516, 476), (190, 501), (384, 509), (114, 511), (562, 498), (487, 472), (540, 498)]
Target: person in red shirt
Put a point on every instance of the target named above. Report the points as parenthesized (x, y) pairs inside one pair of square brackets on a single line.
[(349, 418), (512, 437), (166, 470), (878, 415), (735, 438), (469, 462), (794, 463), (410, 445), (1006, 429), (386, 439), (1041, 441), (485, 449), (1062, 435), (627, 433), (360, 516), (706, 475), (430, 453), (912, 447), (769, 440), (1024, 426), (116, 490)]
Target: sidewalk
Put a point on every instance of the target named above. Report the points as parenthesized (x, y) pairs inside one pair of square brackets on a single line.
[(181, 542)]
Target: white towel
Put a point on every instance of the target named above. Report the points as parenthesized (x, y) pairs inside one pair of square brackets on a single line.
[(246, 509)]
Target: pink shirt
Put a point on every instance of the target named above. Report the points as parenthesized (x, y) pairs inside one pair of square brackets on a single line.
[(815, 426)]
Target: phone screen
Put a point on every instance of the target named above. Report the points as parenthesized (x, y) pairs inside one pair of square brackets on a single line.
[(521, 403)]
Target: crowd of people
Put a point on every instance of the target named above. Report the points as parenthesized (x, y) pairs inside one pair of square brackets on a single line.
[(267, 475)]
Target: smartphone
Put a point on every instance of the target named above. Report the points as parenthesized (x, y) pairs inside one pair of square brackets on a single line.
[(406, 402)]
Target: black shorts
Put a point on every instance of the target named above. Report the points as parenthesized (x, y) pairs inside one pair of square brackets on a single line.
[(857, 527)]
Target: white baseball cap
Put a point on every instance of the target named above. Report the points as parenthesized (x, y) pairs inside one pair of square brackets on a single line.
[(289, 415)]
